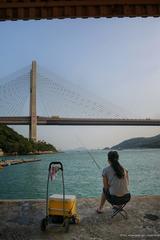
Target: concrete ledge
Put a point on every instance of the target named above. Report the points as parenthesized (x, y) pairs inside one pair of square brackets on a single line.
[(20, 219)]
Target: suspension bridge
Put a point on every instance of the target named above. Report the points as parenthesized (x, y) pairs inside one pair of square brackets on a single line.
[(35, 96)]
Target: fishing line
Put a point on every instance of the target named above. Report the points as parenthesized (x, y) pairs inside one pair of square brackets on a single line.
[(89, 153)]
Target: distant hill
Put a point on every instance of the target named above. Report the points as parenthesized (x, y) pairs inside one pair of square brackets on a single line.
[(13, 143), (141, 142), (106, 148)]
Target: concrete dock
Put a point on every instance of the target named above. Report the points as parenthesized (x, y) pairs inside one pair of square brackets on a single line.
[(20, 220), (17, 161)]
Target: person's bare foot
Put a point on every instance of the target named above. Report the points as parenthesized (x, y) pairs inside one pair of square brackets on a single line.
[(99, 211)]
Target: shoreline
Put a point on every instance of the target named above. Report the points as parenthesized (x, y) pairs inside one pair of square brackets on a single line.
[(28, 154), (78, 198)]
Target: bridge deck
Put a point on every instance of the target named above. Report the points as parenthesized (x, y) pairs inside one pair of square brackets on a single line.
[(80, 121), (39, 9)]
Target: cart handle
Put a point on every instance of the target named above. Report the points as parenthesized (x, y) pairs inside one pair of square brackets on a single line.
[(55, 163)]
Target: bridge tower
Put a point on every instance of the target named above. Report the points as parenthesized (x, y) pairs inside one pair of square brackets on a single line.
[(33, 113)]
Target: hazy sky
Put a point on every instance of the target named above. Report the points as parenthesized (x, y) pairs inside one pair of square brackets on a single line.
[(116, 59)]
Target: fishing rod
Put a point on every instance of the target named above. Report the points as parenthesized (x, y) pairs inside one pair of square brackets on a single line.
[(98, 166), (91, 156)]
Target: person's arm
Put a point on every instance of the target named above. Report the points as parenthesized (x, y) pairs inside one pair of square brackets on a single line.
[(105, 182)]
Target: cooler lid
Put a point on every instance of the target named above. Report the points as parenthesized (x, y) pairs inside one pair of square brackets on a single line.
[(60, 197)]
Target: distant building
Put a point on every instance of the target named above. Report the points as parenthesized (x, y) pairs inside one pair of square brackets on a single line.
[(1, 152)]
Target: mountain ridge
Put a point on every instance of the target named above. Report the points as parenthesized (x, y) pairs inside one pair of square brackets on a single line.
[(139, 142)]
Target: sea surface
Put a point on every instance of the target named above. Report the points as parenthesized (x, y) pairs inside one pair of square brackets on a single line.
[(81, 175)]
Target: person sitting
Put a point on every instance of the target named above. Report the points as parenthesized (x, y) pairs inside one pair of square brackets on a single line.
[(115, 183)]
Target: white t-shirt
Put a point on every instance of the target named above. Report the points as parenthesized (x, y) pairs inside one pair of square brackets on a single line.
[(118, 186)]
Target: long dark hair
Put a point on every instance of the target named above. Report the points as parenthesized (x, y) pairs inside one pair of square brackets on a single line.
[(113, 159)]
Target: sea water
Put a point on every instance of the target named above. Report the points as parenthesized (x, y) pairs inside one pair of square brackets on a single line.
[(81, 175)]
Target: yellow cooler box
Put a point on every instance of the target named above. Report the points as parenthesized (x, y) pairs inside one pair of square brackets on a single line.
[(56, 205)]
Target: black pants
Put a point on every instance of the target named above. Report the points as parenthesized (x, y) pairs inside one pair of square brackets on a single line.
[(115, 200)]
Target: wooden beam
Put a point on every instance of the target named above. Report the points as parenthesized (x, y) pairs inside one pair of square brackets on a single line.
[(50, 9)]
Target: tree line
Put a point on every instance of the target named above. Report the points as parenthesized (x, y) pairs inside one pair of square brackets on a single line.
[(13, 143)]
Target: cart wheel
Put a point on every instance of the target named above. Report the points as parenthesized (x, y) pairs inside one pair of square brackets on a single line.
[(77, 220), (73, 220), (43, 224), (66, 224)]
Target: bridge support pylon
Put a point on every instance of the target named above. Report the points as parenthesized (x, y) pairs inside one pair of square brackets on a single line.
[(33, 113)]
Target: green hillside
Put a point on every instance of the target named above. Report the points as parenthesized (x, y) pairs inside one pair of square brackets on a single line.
[(141, 142), (12, 142)]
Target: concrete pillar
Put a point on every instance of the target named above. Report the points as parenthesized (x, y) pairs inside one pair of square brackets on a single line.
[(33, 113)]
